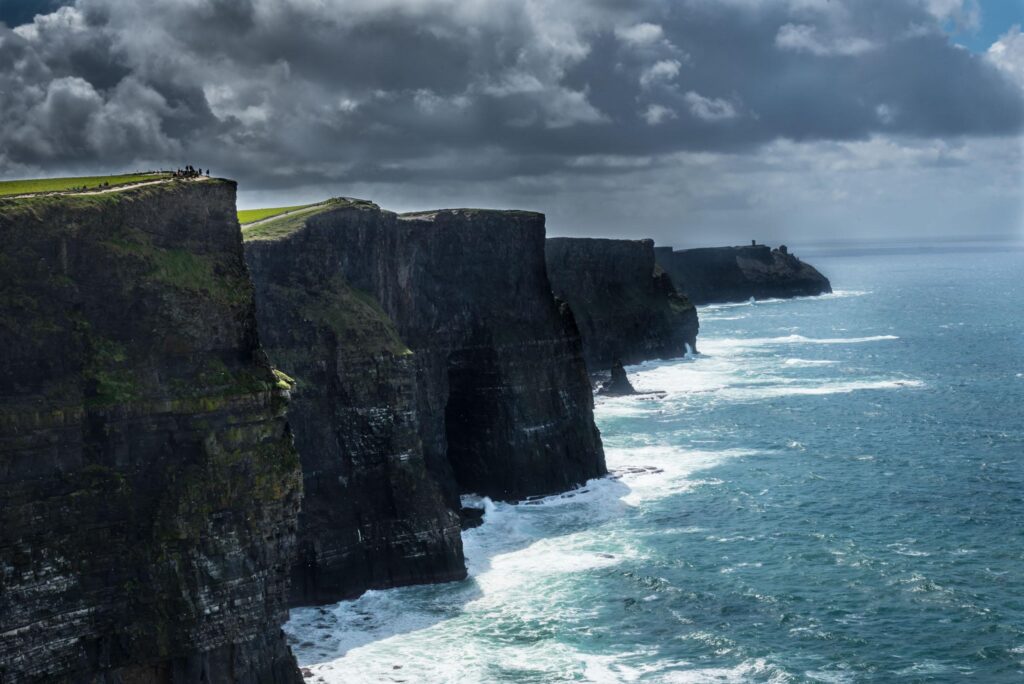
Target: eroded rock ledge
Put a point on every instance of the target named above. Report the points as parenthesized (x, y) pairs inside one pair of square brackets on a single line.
[(149, 484), (735, 274), (626, 307), (462, 366)]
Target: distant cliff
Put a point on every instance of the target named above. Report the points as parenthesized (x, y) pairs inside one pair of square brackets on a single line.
[(734, 274), (373, 517), (149, 484), (625, 306), (440, 324)]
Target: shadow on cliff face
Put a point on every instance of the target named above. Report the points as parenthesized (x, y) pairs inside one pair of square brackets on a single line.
[(319, 635)]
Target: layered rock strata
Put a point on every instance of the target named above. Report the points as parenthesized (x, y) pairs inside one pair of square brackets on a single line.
[(149, 483), (373, 517), (735, 274), (444, 326), (626, 307)]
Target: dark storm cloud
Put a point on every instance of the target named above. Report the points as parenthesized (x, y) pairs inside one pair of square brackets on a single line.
[(298, 92)]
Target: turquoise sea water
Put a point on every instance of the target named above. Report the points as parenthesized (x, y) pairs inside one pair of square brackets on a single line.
[(833, 491)]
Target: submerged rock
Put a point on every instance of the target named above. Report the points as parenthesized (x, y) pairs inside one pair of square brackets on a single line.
[(148, 480), (626, 307), (736, 274)]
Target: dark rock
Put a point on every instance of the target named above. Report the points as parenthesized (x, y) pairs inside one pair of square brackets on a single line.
[(503, 379), (471, 517), (735, 274), (618, 385), (625, 305), (148, 481), (492, 379), (372, 517)]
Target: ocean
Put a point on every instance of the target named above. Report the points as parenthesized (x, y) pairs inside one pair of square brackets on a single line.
[(831, 491)]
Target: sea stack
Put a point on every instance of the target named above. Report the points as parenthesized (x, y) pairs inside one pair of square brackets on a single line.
[(618, 385)]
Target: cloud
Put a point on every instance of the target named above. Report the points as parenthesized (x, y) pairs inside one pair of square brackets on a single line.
[(710, 109), (660, 72), (499, 99), (642, 34), (804, 38), (656, 114), (1007, 54), (965, 13)]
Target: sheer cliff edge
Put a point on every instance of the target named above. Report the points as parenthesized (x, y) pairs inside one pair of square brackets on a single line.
[(431, 360), (149, 481)]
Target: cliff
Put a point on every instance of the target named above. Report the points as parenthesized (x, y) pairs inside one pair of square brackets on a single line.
[(626, 308), (149, 484), (735, 274), (373, 517), (470, 337)]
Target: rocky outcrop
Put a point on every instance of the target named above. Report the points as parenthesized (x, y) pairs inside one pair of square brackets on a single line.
[(735, 274), (627, 309), (448, 319), (149, 484), (373, 517), (618, 385)]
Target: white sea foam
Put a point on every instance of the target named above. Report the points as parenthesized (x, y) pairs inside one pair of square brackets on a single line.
[(736, 343), (432, 633), (836, 294), (814, 389), (727, 380), (808, 363), (751, 670)]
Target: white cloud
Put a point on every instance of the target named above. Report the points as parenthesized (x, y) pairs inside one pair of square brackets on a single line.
[(710, 109), (806, 38), (1007, 54), (966, 13), (661, 71), (885, 113), (640, 34), (656, 114)]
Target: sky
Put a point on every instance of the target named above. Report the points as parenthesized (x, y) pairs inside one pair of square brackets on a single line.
[(694, 122)]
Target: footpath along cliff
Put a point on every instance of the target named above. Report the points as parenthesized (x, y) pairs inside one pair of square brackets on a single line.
[(430, 360), (149, 483)]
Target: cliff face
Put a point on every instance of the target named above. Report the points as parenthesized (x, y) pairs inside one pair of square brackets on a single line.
[(504, 381), (149, 485), (373, 517), (504, 402), (735, 274), (626, 307)]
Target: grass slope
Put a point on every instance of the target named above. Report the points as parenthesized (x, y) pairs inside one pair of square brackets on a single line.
[(251, 215), (24, 187), (285, 225)]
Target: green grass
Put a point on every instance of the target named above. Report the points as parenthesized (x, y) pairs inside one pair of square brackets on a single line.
[(25, 187), (251, 215), (284, 225), (185, 270)]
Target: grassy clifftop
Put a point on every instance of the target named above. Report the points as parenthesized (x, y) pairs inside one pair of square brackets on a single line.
[(287, 220), (252, 215), (35, 185)]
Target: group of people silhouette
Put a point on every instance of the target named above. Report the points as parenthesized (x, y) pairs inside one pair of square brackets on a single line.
[(190, 172)]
